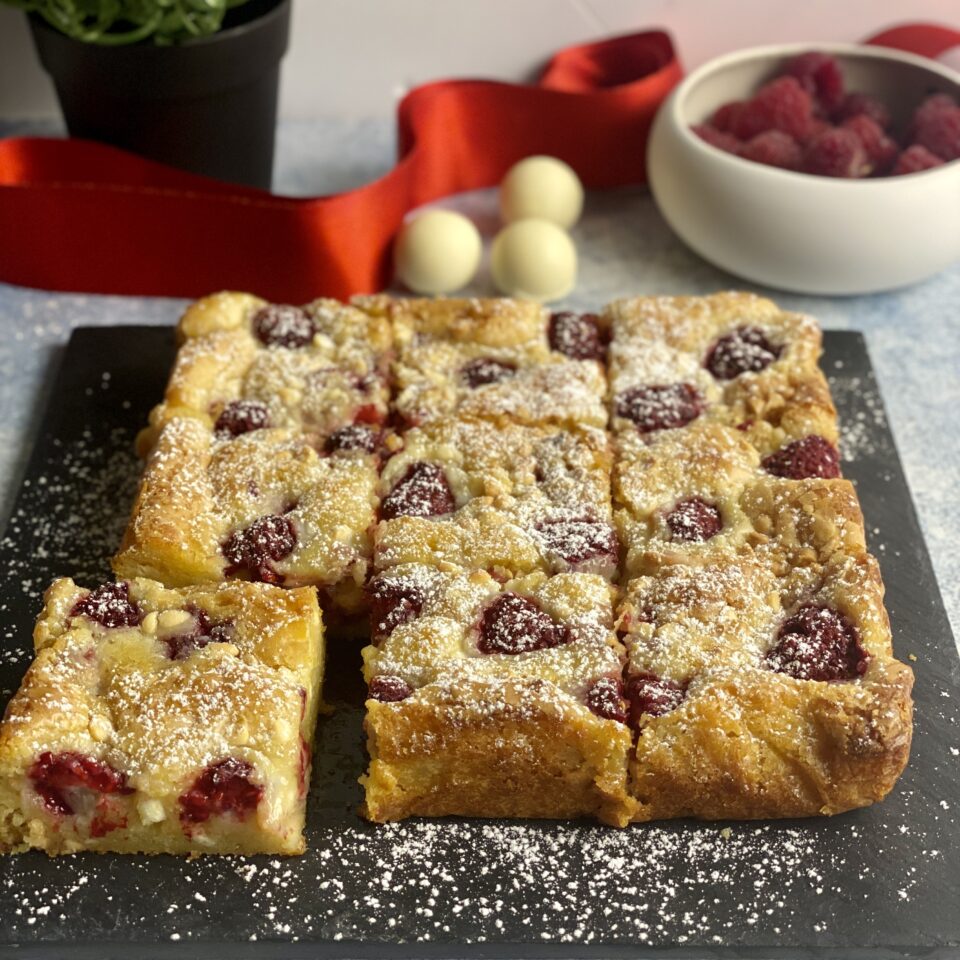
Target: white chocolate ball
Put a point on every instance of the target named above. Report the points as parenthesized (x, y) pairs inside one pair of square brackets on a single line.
[(438, 251), (542, 187), (534, 259)]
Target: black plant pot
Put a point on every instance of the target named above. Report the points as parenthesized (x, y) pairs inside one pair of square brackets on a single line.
[(207, 105)]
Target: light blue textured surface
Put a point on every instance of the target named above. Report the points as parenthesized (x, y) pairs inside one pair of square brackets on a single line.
[(625, 248)]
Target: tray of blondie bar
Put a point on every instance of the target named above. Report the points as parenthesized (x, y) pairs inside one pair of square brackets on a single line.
[(578, 744)]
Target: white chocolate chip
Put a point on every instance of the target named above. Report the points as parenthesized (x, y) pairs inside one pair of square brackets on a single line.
[(282, 730), (151, 810), (100, 728), (171, 619)]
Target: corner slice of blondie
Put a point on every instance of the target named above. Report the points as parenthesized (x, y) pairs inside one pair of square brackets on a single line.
[(494, 699), (503, 497), (246, 365), (266, 506), (164, 721), (732, 357), (755, 695)]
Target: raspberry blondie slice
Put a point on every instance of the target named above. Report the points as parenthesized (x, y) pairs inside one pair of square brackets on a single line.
[(697, 494), (265, 505), (494, 359), (245, 365), (164, 721), (755, 695), (731, 357), (501, 497), (494, 699)]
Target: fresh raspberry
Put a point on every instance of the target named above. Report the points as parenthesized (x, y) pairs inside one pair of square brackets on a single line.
[(110, 606), (817, 127), (661, 406), (775, 149), (204, 630), (915, 159), (781, 104), (818, 643), (936, 126), (652, 696), (605, 698), (931, 106), (389, 689), (820, 76), (726, 116), (694, 520), (862, 104), (744, 350), (423, 491), (514, 624), (393, 601), (837, 153), (718, 138), (812, 456), (352, 437), (279, 325), (54, 775), (576, 335), (254, 548), (241, 416), (484, 370), (880, 149), (574, 541), (223, 787)]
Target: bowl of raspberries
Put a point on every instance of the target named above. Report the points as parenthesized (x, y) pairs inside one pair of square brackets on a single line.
[(826, 169)]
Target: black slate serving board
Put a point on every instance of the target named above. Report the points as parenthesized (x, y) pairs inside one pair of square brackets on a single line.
[(883, 882)]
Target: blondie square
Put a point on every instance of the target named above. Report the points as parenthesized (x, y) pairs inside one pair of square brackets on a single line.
[(503, 497), (266, 505), (495, 359), (698, 494), (245, 365), (164, 721), (757, 695), (494, 699), (732, 357)]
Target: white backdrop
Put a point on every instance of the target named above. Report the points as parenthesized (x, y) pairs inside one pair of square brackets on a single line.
[(352, 57)]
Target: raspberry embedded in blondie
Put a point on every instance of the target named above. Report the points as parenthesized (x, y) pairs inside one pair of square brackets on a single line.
[(266, 505), (164, 721), (468, 676), (503, 497)]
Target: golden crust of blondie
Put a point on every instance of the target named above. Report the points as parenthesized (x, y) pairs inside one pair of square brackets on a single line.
[(792, 521), (667, 340), (746, 740), (115, 735), (487, 749), (335, 379), (197, 491), (489, 359), (525, 498), (494, 734)]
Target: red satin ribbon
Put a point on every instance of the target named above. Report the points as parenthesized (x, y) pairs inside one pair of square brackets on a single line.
[(76, 215)]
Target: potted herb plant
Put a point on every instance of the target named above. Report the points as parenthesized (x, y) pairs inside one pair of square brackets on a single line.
[(191, 83)]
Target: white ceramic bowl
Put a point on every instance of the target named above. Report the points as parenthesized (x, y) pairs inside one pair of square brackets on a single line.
[(792, 230)]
